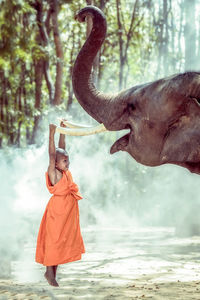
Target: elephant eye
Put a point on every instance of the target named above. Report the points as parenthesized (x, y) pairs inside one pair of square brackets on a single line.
[(131, 107)]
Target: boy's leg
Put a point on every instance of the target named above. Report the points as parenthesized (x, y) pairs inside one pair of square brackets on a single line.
[(54, 270), (50, 277)]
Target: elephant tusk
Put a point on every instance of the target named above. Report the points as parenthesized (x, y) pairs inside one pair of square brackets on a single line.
[(80, 131), (72, 125)]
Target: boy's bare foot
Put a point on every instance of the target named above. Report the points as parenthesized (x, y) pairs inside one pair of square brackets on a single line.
[(51, 280)]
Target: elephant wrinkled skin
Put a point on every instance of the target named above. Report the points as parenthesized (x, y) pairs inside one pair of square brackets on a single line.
[(163, 116)]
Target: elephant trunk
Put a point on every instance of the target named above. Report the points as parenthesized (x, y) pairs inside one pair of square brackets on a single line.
[(100, 106)]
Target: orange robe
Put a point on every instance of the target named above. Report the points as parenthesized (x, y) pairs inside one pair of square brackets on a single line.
[(59, 239)]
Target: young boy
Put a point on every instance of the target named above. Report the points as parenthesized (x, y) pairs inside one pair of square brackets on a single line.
[(59, 239)]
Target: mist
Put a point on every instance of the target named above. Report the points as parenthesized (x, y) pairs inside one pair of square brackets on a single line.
[(117, 193)]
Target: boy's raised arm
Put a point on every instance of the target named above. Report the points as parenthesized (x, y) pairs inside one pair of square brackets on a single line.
[(61, 143), (52, 154)]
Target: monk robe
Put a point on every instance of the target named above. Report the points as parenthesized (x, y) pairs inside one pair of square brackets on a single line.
[(59, 239)]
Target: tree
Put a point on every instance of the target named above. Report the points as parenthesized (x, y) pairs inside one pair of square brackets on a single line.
[(124, 41), (40, 40), (190, 35)]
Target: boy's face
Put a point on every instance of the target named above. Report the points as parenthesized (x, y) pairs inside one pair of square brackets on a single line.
[(62, 163)]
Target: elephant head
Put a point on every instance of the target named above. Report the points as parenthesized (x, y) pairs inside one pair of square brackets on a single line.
[(163, 116)]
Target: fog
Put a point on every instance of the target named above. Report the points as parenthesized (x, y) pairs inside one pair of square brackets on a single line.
[(117, 192)]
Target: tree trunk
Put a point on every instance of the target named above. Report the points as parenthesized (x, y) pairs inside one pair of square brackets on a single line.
[(19, 122), (38, 94), (69, 82), (59, 53), (44, 41), (181, 33), (190, 35), (121, 60), (27, 116), (2, 107), (159, 30), (124, 43), (165, 38), (173, 29)]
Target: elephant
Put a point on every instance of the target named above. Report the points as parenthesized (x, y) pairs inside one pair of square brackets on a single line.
[(163, 116)]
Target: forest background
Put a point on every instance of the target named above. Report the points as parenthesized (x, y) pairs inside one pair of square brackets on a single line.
[(39, 41)]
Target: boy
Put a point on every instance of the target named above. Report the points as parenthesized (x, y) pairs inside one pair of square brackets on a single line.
[(59, 239)]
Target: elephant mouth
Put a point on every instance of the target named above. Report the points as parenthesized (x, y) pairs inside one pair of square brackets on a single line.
[(121, 144)]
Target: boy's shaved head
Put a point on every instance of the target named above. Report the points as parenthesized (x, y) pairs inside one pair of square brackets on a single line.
[(60, 153)]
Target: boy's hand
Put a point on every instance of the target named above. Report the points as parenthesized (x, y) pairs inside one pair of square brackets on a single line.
[(52, 128), (62, 124)]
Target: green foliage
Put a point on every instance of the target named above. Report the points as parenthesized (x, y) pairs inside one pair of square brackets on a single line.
[(21, 48)]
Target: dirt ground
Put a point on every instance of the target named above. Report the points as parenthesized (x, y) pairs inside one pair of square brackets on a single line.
[(148, 263)]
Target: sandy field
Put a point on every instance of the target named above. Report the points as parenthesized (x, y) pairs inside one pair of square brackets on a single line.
[(145, 263)]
